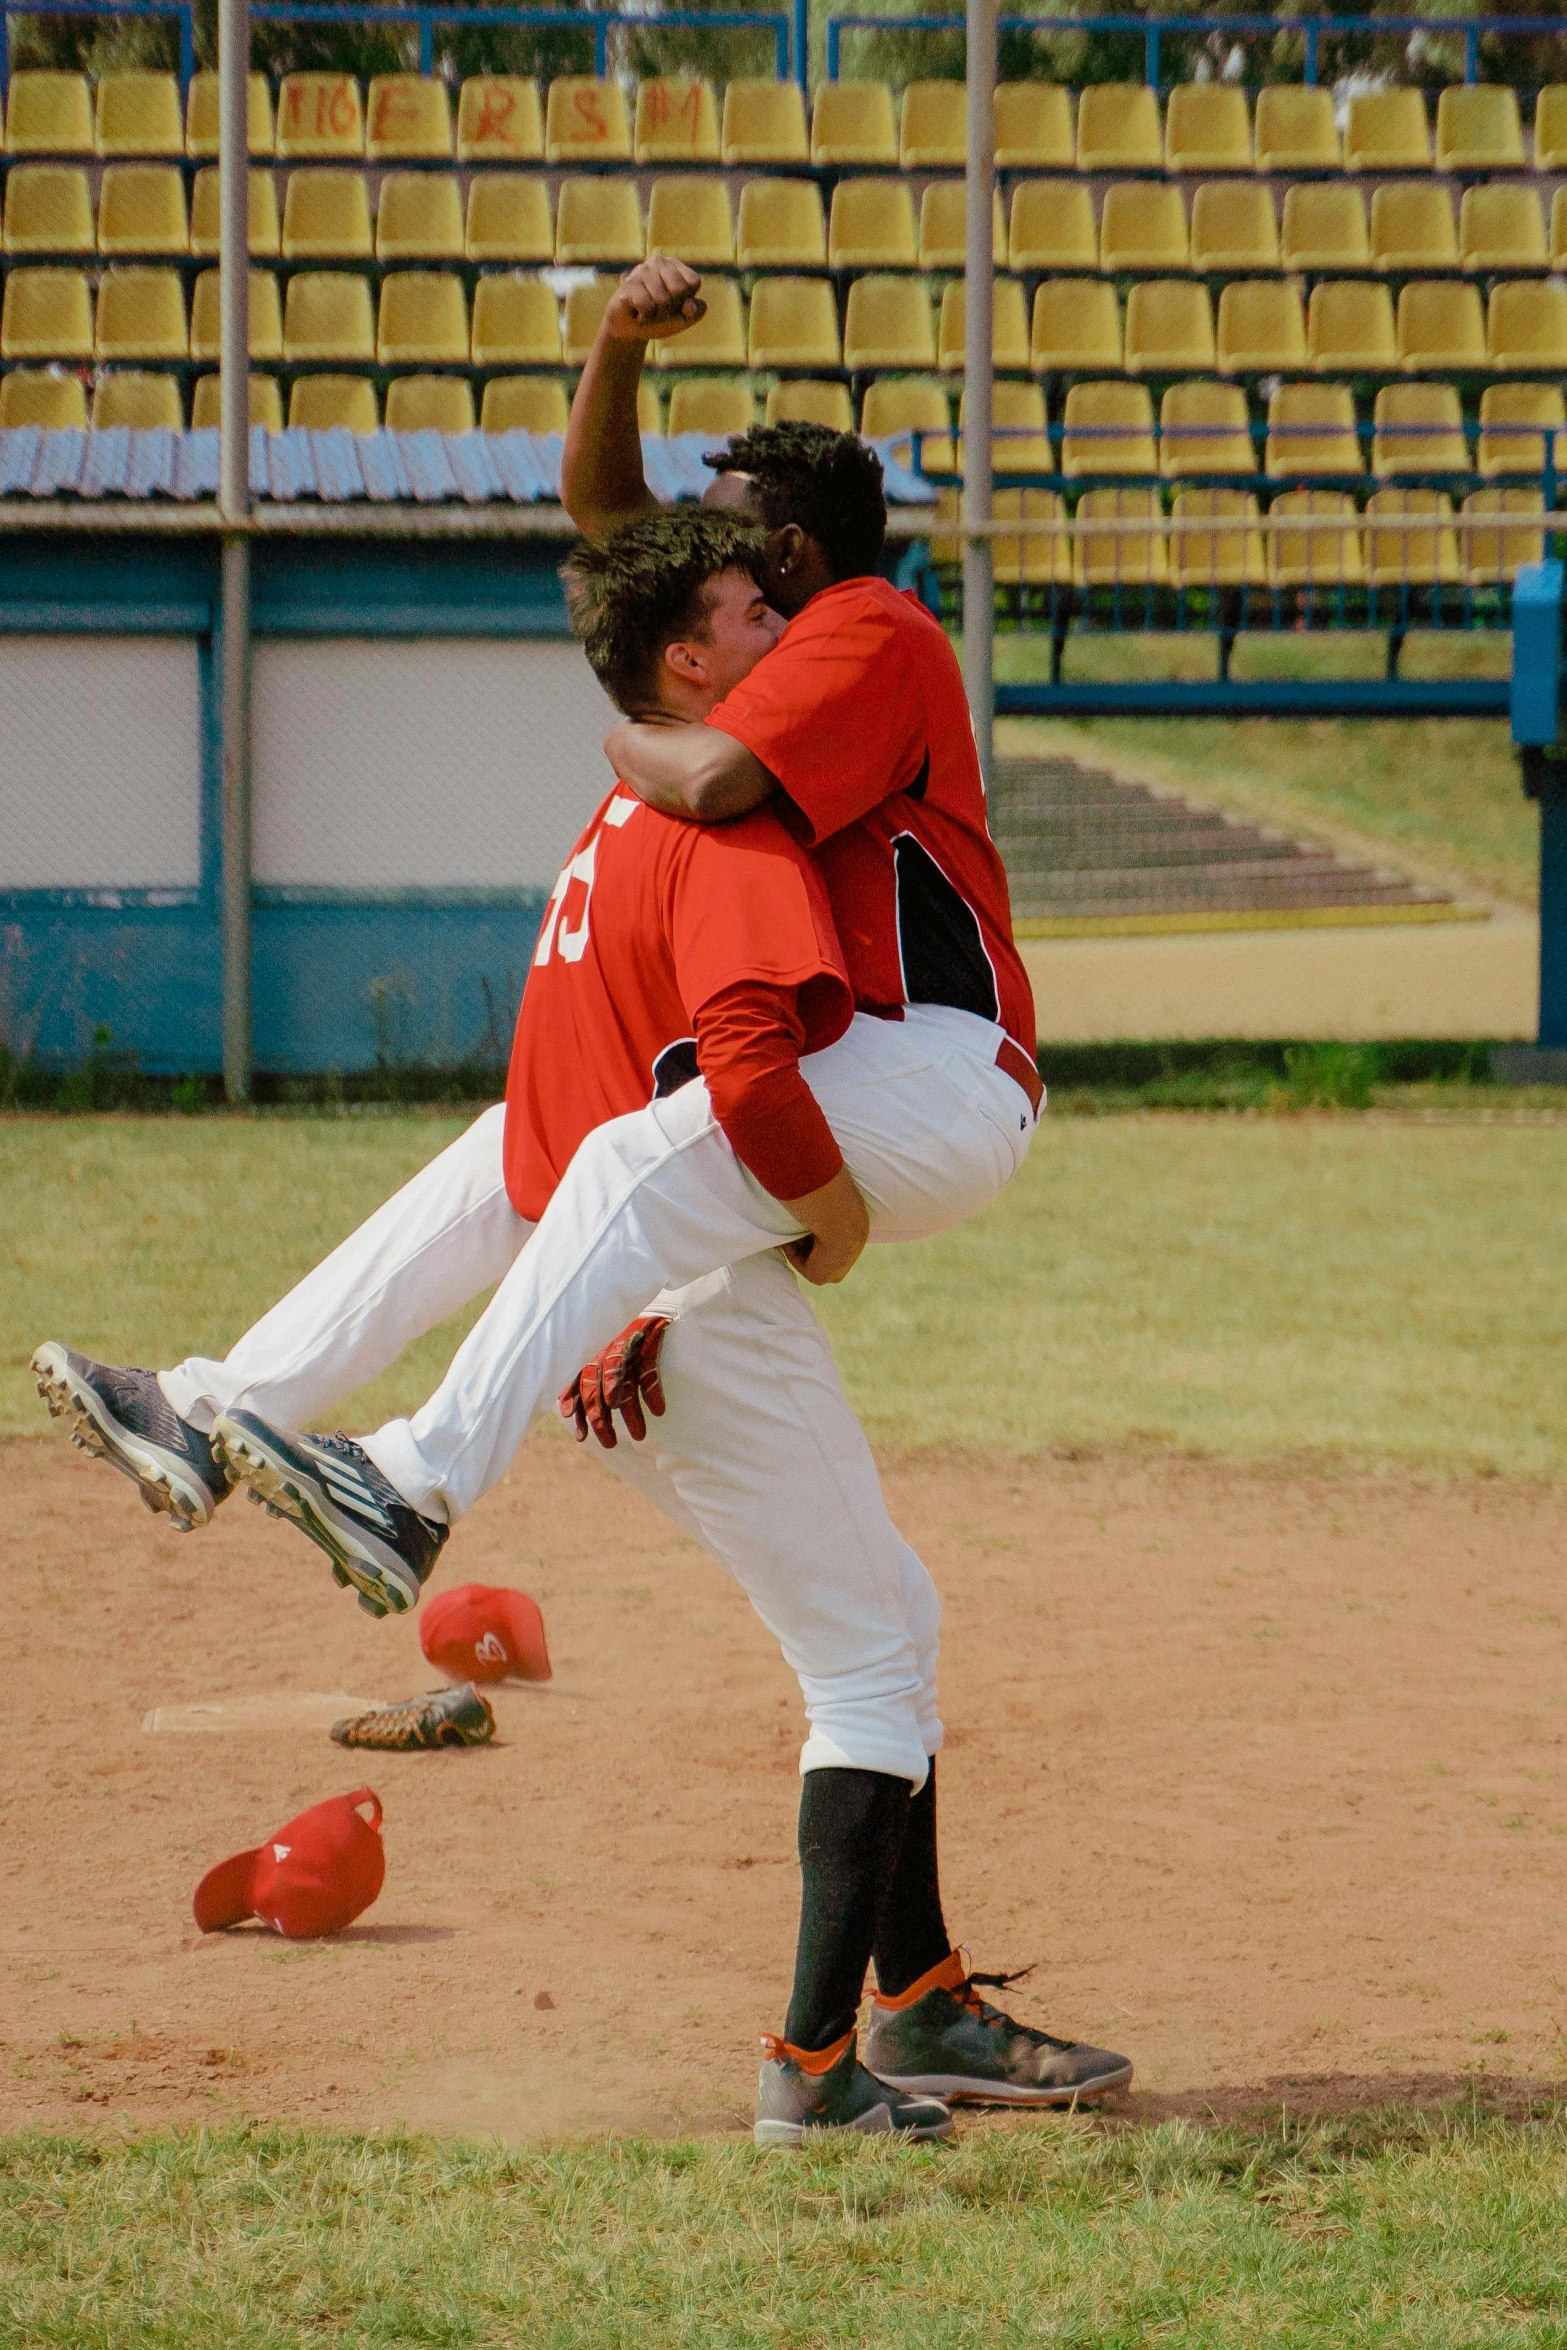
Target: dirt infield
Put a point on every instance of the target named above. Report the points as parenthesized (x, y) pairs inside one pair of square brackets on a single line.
[(1267, 1771)]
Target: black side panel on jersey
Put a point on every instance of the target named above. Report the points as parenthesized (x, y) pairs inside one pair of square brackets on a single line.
[(944, 958), (675, 1067)]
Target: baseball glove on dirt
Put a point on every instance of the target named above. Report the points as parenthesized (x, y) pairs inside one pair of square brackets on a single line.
[(446, 1717), (621, 1379)]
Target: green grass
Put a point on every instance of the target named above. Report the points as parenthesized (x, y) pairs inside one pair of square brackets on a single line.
[(1440, 797), (1389, 2230), (1362, 1289)]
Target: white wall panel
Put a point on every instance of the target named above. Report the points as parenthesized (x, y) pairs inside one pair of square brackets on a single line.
[(445, 764), (100, 762)]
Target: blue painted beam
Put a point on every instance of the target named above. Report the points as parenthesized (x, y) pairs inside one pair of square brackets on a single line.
[(1401, 697)]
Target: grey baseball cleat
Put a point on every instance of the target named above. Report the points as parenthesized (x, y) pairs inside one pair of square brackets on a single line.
[(123, 1416), (446, 1717), (793, 2105), (330, 1488), (948, 2042)]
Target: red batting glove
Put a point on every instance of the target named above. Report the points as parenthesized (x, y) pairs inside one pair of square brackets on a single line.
[(623, 1378)]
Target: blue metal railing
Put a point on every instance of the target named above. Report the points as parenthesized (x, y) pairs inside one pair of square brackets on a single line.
[(1151, 31), (182, 10)]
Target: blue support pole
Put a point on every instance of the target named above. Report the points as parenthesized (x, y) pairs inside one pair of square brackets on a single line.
[(187, 48), (1553, 921), (600, 46), (1472, 54), (833, 30), (426, 42), (802, 43), (1311, 53), (1151, 57)]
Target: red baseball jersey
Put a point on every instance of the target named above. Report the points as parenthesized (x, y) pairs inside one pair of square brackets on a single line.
[(860, 713), (650, 921)]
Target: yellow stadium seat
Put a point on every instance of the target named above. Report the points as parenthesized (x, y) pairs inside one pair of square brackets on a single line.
[(141, 315), (1207, 128), (1295, 129), (37, 395), (1169, 327), (141, 209), (423, 320), (333, 403), (717, 339), (1262, 327), (499, 120), (1419, 429), (1499, 531), (524, 403), (327, 315), (945, 544), (1203, 429), (1031, 558), (689, 216), (1118, 128), (933, 132), (418, 217), (871, 225), (1514, 422), (1321, 548), (1108, 428), (1019, 442), (1440, 326), (1052, 226), (1412, 227), (1550, 128), (851, 122), (48, 209), (1142, 226), (1349, 327), (1233, 227), (429, 403), (1501, 227), (598, 220), (1230, 554), (1077, 328), (781, 225), (509, 218), (794, 322), (944, 227), (1325, 228), (717, 406), (139, 114), (408, 117), (1387, 130), (266, 228), (585, 308), (804, 402), (1477, 129), (47, 314), (764, 122), (586, 121), (1009, 326), (1106, 554), (326, 216), (319, 114), (1410, 539), (889, 323), (1526, 328), (147, 403), (915, 405), (49, 114), (1311, 429), (266, 403), (1034, 127), (676, 122), (201, 118), (266, 317)]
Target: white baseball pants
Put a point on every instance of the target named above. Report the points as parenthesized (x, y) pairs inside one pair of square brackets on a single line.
[(928, 1125)]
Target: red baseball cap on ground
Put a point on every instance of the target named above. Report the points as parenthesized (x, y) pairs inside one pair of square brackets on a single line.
[(485, 1632), (313, 1877)]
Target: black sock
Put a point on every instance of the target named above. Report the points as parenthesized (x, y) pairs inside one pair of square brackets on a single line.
[(911, 1932), (852, 1827)]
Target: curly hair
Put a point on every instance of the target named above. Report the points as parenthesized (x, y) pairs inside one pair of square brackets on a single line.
[(829, 483), (645, 586)]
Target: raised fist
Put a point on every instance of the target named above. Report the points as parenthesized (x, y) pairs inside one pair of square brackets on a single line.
[(659, 298)]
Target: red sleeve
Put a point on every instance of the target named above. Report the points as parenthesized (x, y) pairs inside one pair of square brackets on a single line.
[(744, 903), (835, 711), (748, 1043)]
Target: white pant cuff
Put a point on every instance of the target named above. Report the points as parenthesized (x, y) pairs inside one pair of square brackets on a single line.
[(873, 1749), (401, 1463)]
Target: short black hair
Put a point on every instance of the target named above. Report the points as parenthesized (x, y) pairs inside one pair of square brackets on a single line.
[(643, 586), (829, 483)]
